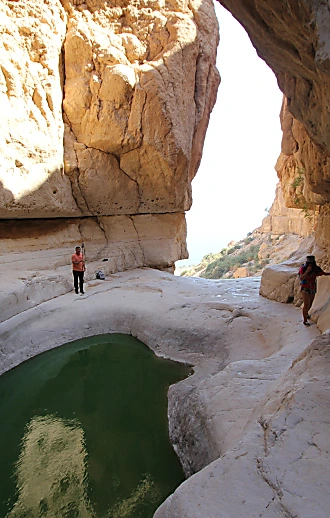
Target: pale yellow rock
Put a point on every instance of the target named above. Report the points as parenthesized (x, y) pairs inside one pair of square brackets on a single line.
[(32, 183), (134, 96), (284, 220), (241, 272), (130, 88), (299, 166), (263, 251), (278, 282), (139, 86), (323, 228)]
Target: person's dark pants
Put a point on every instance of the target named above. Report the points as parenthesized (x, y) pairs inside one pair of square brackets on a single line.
[(78, 277)]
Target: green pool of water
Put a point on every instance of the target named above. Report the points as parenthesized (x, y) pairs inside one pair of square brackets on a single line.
[(83, 432)]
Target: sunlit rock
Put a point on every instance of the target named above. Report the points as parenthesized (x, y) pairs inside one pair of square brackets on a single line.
[(241, 272), (284, 220), (32, 182), (132, 86)]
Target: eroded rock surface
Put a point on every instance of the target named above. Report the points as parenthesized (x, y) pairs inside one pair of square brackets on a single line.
[(140, 83), (285, 220), (251, 423), (32, 183), (35, 266), (273, 455)]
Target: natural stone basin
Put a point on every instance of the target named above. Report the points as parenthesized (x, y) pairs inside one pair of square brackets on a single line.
[(84, 431)]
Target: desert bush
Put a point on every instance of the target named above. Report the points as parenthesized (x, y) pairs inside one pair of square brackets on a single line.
[(216, 269)]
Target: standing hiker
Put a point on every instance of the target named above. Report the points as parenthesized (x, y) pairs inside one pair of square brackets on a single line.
[(78, 269), (308, 274)]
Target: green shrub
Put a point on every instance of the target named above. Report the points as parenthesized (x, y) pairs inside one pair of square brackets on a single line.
[(218, 268), (233, 249)]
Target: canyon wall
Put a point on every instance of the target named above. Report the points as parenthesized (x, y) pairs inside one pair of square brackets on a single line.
[(293, 39), (105, 107), (282, 219)]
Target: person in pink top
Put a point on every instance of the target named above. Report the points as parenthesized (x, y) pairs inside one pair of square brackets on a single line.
[(308, 274), (78, 269)]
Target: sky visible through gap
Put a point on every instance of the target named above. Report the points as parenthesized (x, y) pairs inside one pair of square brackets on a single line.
[(236, 180)]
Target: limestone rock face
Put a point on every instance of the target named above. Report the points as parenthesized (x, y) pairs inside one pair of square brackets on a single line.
[(32, 182), (284, 220), (35, 264), (265, 471), (139, 83), (251, 424), (241, 272), (301, 166)]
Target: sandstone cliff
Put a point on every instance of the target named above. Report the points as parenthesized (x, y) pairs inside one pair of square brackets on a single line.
[(285, 220), (105, 108)]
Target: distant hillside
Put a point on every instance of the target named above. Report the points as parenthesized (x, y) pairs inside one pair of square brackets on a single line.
[(276, 240), (245, 258)]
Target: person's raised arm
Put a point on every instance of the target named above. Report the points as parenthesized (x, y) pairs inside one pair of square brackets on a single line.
[(304, 275), (76, 262)]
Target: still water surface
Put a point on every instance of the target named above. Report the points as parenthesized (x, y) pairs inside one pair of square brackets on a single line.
[(83, 432)]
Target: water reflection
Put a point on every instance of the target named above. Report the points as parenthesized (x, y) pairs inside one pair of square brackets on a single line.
[(84, 432), (144, 492), (51, 471)]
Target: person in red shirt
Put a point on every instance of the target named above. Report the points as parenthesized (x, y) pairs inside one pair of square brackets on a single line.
[(78, 269), (308, 274)]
